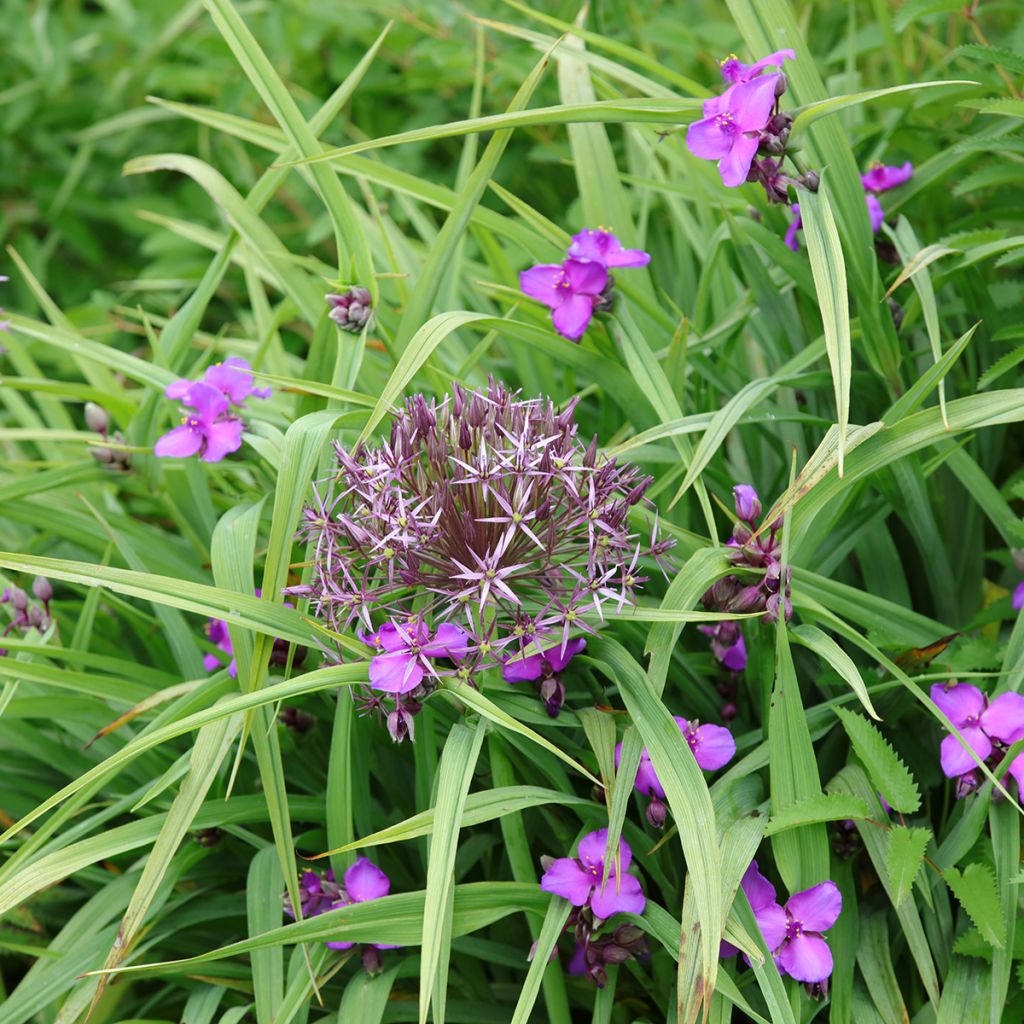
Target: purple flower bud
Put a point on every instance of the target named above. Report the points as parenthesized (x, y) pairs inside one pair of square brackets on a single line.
[(372, 960), (96, 418), (43, 590), (656, 813), (780, 85), (810, 180), (19, 599), (552, 693), (400, 725), (351, 310), (748, 504)]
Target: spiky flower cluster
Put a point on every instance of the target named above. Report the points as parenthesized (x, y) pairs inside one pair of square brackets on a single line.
[(483, 532)]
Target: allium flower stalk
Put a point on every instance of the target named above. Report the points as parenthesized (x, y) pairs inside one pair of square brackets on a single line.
[(580, 286), (211, 429), (483, 533), (989, 728), (363, 881), (712, 746)]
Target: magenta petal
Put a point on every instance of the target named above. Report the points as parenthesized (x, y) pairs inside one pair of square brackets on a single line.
[(726, 949), (339, 945), (760, 892), (955, 760), (816, 908), (647, 781), (772, 921), (593, 245), (592, 847), (558, 659), (1003, 719), (708, 139), (875, 212), (790, 238), (1018, 596), (542, 283), (518, 669), (178, 443), (621, 895), (806, 958), (451, 641), (959, 702), (735, 165), (233, 378), (387, 638), (735, 657), (365, 881), (1017, 771), (565, 878), (586, 277), (207, 401), (629, 258), (177, 389), (222, 439), (881, 179), (211, 662), (751, 103), (714, 747), (773, 60), (395, 673), (578, 961), (572, 318)]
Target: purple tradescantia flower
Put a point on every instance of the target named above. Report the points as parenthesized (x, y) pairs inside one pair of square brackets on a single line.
[(727, 645), (404, 650), (804, 953), (601, 246), (578, 879), (363, 881), (712, 746), (770, 917), (485, 520), (209, 430), (734, 71), (989, 729), (876, 215), (730, 131), (1018, 596), (571, 289), (880, 178), (217, 631)]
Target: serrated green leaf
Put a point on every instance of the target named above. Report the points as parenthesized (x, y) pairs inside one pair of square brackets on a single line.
[(996, 55), (904, 857), (888, 773), (975, 889), (816, 809)]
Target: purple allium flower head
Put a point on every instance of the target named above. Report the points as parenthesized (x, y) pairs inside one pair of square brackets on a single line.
[(988, 728), (730, 131), (571, 289), (209, 429), (217, 632), (601, 246), (770, 917), (804, 954), (578, 879), (352, 309), (880, 178), (712, 746), (482, 533), (734, 71)]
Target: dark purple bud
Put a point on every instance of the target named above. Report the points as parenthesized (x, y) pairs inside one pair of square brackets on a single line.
[(967, 784), (780, 85), (36, 617), (729, 712), (817, 989), (372, 960), (43, 590), (546, 861), (296, 720), (598, 975), (748, 504), (810, 180), (96, 418), (615, 954), (208, 836), (400, 725), (552, 693), (656, 813), (19, 599)]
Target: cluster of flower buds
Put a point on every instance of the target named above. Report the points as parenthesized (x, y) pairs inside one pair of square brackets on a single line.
[(26, 615), (96, 419), (352, 309), (758, 549), (580, 285), (593, 955), (295, 719), (483, 534), (211, 427), (320, 893)]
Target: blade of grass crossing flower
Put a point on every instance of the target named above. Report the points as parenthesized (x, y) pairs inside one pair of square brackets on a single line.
[(455, 774), (263, 888), (366, 997), (551, 930), (801, 854), (1004, 823), (339, 809), (829, 271), (209, 751), (431, 274), (354, 256), (686, 792)]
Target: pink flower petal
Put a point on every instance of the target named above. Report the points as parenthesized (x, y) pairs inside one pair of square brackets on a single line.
[(735, 165), (564, 878), (1003, 719), (806, 958), (572, 318), (1018, 596), (714, 747), (207, 401), (365, 881), (760, 892), (233, 378), (621, 895), (708, 139), (177, 389), (179, 443), (395, 673), (816, 908), (222, 439), (647, 781), (959, 702), (772, 921), (518, 669), (545, 284), (592, 847), (451, 641), (751, 103), (955, 760), (558, 659), (586, 278), (875, 213)]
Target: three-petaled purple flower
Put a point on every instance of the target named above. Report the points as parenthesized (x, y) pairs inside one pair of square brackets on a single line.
[(217, 632), (734, 124), (404, 650), (578, 879), (793, 933), (712, 746), (581, 284), (363, 881), (544, 669), (989, 729), (211, 429)]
